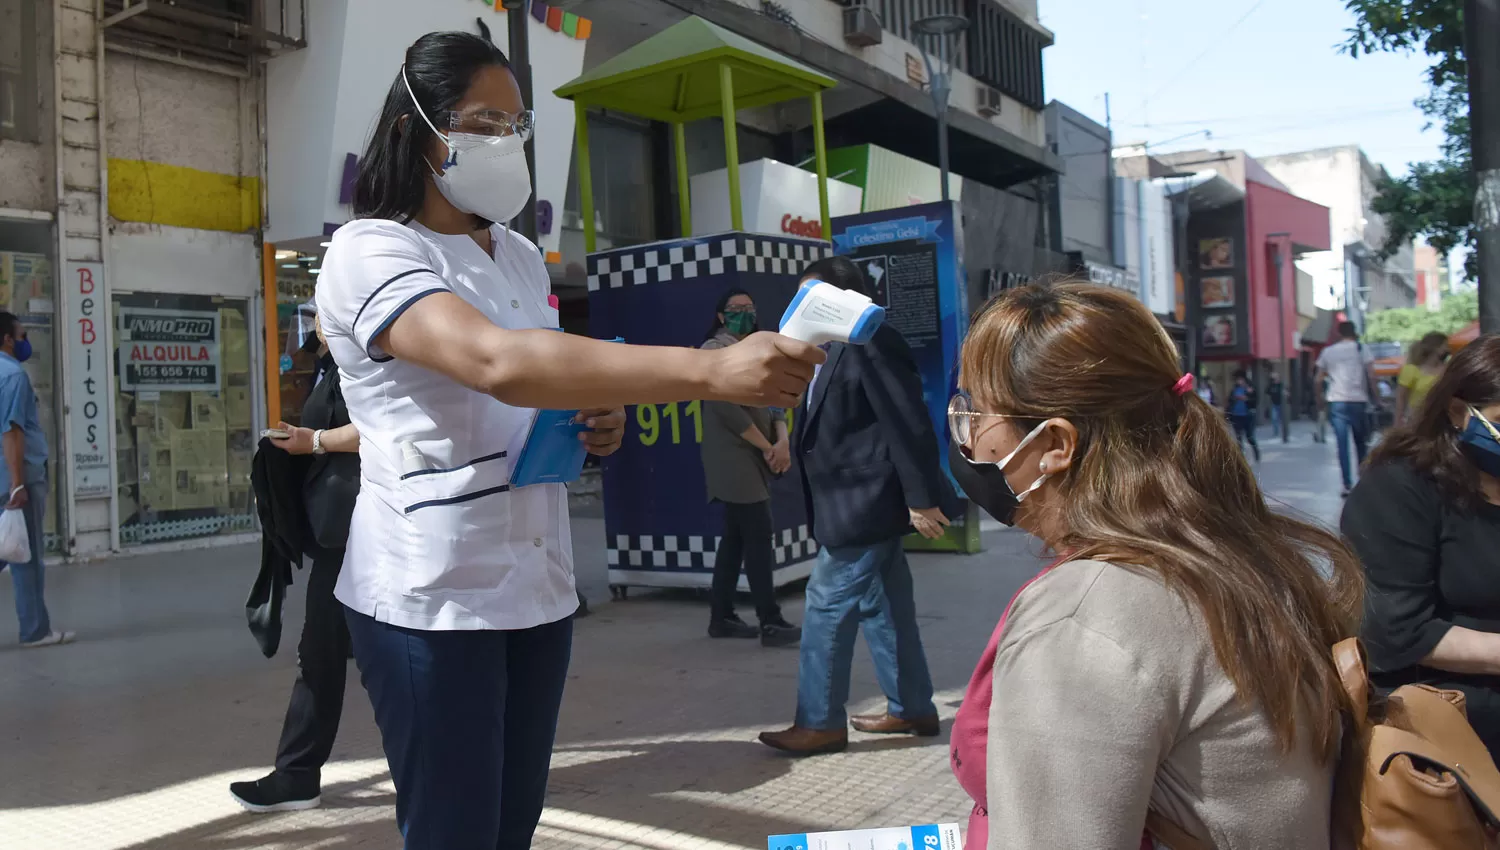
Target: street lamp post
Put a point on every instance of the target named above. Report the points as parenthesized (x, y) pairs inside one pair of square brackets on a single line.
[(1283, 239), (941, 34), (520, 66)]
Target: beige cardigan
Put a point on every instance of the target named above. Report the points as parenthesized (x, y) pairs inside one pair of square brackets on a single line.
[(1107, 697)]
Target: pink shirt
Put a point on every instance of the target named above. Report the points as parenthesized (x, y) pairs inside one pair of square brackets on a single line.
[(968, 750)]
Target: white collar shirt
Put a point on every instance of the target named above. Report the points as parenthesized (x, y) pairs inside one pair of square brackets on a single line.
[(449, 547)]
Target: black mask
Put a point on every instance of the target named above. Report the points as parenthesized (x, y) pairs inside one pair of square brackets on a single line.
[(985, 483)]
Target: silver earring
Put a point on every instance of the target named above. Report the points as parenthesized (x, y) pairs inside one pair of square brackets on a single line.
[(1044, 466)]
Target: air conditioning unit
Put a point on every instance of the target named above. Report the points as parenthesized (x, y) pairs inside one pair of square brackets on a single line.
[(989, 102), (862, 27)]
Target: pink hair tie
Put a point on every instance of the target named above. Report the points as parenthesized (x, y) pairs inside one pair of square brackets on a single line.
[(1184, 385)]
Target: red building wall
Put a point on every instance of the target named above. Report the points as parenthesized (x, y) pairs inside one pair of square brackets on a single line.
[(1269, 210)]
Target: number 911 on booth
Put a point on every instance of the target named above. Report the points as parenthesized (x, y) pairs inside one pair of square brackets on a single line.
[(673, 424)]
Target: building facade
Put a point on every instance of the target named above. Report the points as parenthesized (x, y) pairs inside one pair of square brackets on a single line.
[(1350, 276), (170, 172), (131, 205)]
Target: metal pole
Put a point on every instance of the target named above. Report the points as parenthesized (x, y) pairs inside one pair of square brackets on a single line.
[(1481, 23), (684, 202), (820, 155), (585, 178), (520, 65), (1286, 429), (942, 117), (731, 146)]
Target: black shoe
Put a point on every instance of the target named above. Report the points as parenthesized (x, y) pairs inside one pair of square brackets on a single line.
[(731, 627), (278, 792), (778, 632)]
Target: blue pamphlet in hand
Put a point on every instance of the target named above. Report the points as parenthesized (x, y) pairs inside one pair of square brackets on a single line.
[(552, 454)]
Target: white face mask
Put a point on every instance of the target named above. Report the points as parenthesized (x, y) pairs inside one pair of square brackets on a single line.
[(483, 175)]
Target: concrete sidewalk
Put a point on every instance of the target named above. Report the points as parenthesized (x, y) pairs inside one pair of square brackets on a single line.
[(129, 738)]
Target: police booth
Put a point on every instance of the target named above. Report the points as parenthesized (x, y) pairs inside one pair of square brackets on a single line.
[(661, 529)]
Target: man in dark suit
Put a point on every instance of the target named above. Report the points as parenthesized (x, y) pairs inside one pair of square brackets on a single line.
[(871, 474)]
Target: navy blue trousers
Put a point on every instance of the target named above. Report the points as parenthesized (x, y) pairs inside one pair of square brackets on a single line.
[(467, 719)]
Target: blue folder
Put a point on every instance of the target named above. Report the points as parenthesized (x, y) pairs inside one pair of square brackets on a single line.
[(552, 453)]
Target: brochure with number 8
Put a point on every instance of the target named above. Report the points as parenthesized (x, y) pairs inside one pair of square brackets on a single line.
[(927, 837)]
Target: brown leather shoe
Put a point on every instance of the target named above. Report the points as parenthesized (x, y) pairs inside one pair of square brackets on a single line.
[(800, 741), (886, 724)]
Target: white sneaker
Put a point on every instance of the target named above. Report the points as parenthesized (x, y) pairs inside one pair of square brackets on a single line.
[(53, 638)]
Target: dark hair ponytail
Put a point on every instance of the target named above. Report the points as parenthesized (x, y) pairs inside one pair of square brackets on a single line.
[(392, 179), (841, 272)]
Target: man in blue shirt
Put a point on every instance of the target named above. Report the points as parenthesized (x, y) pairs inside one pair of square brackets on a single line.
[(1242, 411), (25, 480)]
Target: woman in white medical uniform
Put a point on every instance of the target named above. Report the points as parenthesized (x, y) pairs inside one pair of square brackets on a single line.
[(458, 589)]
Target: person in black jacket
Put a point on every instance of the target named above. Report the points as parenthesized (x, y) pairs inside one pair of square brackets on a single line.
[(328, 490), (871, 473), (1425, 520)]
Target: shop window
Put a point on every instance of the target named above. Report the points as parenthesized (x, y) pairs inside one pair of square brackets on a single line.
[(19, 91), (184, 421), (27, 289)]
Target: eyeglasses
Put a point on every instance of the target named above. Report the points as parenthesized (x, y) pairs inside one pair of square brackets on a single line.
[(493, 122), (961, 417)]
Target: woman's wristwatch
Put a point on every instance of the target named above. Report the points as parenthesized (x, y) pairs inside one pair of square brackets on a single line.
[(318, 443)]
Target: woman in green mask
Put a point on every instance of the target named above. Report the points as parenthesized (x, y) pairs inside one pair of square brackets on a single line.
[(742, 448)]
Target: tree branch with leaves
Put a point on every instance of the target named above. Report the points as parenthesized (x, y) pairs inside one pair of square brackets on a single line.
[(1435, 200)]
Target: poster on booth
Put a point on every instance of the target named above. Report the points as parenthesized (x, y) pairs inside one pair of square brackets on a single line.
[(913, 258), (168, 350)]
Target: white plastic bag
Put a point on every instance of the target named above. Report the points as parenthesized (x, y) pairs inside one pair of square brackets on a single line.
[(15, 543)]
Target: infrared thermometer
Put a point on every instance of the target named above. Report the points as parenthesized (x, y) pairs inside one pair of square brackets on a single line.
[(823, 313)]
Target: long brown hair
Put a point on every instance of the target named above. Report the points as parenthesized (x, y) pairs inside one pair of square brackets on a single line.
[(1426, 348), (1157, 485), (1430, 442)]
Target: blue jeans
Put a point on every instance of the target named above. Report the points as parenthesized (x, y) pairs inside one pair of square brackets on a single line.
[(868, 587), (1276, 419), (28, 578), (467, 720), (1349, 419)]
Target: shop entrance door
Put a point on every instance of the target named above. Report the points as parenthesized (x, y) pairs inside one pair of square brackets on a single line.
[(184, 417)]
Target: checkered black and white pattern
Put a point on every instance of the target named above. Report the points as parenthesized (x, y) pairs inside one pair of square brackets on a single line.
[(696, 552), (737, 252)]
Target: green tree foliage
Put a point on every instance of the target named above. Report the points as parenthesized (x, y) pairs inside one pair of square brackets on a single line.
[(1435, 200), (1409, 324)]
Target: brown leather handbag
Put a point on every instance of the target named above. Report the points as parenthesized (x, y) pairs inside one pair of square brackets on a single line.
[(1413, 775)]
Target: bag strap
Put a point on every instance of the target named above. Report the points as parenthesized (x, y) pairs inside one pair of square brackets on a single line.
[(1170, 834), (1349, 660)]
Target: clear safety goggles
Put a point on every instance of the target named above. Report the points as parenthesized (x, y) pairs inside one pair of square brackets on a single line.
[(494, 123)]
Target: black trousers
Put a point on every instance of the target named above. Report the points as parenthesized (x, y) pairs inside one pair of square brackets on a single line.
[(749, 541), (312, 717), (1244, 429)]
